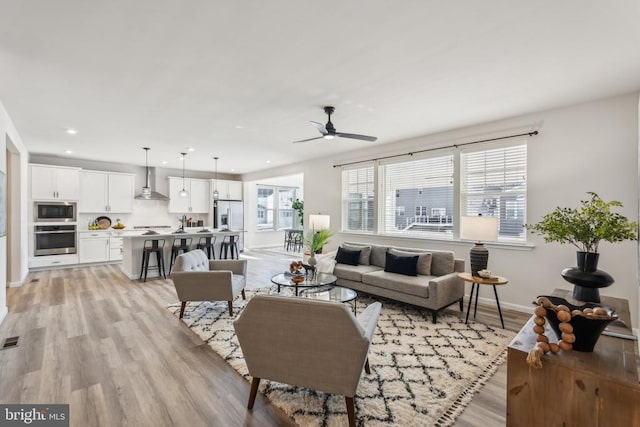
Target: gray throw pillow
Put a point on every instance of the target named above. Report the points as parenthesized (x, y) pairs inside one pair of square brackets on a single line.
[(442, 263), (365, 252), (424, 260)]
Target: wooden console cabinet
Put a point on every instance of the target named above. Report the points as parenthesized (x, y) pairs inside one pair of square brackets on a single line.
[(575, 388)]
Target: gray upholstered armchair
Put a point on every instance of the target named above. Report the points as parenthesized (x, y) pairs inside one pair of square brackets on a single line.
[(320, 345), (198, 278)]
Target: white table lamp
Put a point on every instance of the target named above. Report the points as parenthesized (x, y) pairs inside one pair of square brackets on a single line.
[(319, 222), (481, 229)]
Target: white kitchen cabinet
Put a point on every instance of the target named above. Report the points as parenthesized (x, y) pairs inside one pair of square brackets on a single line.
[(106, 192), (228, 190), (54, 182), (52, 260), (115, 248), (93, 247), (196, 202)]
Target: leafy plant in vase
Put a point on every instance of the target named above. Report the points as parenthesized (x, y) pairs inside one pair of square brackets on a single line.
[(315, 241), (585, 228)]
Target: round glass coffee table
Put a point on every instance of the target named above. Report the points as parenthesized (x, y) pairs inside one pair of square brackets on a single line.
[(332, 293), (322, 279)]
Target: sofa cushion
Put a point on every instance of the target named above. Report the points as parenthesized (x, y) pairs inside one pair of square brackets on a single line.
[(346, 256), (406, 265), (424, 259), (365, 252), (412, 285), (378, 255), (353, 272), (442, 262)]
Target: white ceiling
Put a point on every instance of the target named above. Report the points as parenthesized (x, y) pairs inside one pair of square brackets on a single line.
[(241, 79)]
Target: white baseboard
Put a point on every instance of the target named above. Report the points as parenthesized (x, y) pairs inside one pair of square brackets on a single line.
[(16, 284), (3, 313), (503, 305)]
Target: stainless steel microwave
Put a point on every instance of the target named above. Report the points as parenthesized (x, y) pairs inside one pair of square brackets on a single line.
[(55, 211)]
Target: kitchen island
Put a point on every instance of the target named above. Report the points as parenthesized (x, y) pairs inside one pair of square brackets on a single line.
[(133, 244)]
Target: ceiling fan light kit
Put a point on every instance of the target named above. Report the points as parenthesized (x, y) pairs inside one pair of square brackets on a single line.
[(328, 131)]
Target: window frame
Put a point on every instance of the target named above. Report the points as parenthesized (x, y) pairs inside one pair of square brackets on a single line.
[(458, 208), (276, 210)]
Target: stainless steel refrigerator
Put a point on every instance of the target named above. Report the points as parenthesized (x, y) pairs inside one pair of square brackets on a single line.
[(229, 214)]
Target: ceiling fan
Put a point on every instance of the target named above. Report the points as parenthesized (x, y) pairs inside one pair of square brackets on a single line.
[(329, 132)]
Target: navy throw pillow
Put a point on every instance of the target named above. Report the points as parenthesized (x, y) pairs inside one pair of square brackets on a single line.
[(407, 265), (345, 256)]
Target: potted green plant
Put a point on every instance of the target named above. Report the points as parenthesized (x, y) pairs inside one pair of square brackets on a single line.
[(586, 227), (298, 206), (315, 240)]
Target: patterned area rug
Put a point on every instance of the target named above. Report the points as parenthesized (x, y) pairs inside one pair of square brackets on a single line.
[(421, 373)]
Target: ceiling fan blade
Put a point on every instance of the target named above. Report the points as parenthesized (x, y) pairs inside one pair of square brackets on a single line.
[(321, 128), (355, 136), (310, 139)]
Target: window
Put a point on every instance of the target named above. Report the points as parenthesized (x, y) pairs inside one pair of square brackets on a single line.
[(266, 206), (274, 211), (417, 197), (358, 199), (494, 183), (425, 196), (286, 196)]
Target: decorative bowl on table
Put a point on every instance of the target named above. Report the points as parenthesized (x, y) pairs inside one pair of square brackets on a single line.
[(486, 274), (297, 278), (587, 328)]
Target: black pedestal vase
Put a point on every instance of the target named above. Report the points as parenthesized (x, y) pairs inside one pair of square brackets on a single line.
[(586, 278)]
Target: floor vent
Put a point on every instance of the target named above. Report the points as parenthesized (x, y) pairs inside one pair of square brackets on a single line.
[(34, 280), (10, 342)]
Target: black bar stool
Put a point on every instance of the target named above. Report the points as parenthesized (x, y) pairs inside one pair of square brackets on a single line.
[(230, 241), (153, 246), (179, 244), (207, 243)]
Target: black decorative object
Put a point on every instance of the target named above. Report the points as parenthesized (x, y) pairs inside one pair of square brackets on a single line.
[(586, 278), (587, 331), (478, 258), (481, 229)]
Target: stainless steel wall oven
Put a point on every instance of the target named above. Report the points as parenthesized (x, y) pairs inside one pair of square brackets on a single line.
[(54, 211), (55, 239)]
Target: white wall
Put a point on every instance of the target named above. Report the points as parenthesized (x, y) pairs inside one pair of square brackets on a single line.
[(19, 248), (586, 147)]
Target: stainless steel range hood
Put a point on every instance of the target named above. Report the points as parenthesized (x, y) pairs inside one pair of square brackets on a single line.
[(148, 191)]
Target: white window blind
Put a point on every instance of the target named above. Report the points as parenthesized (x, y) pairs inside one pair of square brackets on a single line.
[(418, 197), (358, 199), (494, 183)]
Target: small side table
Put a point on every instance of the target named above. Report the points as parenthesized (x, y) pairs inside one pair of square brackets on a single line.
[(476, 281)]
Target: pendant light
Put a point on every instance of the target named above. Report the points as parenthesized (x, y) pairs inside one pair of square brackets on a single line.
[(216, 195), (183, 193)]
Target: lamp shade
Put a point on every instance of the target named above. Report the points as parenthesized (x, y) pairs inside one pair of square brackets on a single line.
[(479, 228), (319, 222)]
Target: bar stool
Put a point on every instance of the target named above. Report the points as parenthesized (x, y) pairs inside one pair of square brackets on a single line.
[(179, 244), (229, 241), (207, 243), (152, 246)]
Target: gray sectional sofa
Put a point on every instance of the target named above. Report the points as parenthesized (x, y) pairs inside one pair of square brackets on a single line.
[(436, 286)]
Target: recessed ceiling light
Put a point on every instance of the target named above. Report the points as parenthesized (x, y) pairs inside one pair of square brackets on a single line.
[(71, 131), (68, 151), (192, 149), (164, 162), (268, 161), (239, 126), (233, 170)]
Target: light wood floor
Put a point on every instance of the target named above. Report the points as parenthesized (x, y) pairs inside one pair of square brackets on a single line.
[(108, 346)]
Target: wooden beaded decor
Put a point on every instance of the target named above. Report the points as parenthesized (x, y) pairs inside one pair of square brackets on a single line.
[(564, 316)]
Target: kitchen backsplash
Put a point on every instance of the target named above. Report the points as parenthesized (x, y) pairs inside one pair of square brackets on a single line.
[(145, 212)]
